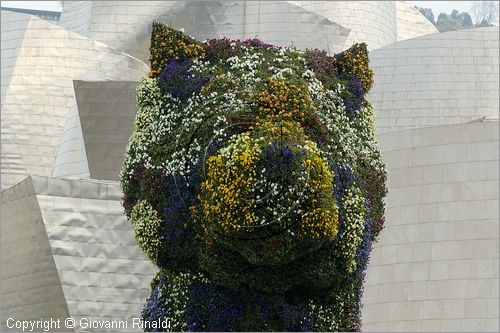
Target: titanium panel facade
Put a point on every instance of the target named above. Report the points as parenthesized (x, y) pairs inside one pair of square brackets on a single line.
[(71, 158), (41, 93), (308, 24), (435, 267), (438, 79), (410, 23), (31, 287), (372, 22), (107, 113), (97, 130), (76, 16), (13, 27), (74, 254), (126, 25)]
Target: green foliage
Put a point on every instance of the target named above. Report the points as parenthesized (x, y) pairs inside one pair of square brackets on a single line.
[(427, 12), (453, 21)]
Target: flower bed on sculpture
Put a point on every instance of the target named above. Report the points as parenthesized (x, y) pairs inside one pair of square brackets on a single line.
[(254, 183)]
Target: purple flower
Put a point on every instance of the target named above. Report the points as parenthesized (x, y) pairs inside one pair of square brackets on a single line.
[(355, 99), (322, 65), (178, 80), (258, 43), (155, 308)]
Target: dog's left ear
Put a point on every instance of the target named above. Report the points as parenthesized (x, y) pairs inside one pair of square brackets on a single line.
[(169, 44)]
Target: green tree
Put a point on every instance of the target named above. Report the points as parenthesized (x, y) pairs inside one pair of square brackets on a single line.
[(456, 20), (427, 12), (447, 22), (466, 19)]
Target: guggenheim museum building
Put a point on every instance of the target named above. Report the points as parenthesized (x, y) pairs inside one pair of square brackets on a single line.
[(67, 108)]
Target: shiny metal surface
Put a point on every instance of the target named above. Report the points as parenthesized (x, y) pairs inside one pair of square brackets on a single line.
[(410, 23), (12, 34), (438, 79), (30, 281), (372, 22), (97, 130), (329, 25), (435, 267), (40, 94), (127, 25), (71, 158), (70, 252)]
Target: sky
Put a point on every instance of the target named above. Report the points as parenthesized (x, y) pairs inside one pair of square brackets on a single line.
[(439, 7), (42, 5)]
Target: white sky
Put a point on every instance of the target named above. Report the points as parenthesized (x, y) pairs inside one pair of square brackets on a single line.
[(42, 5), (439, 7)]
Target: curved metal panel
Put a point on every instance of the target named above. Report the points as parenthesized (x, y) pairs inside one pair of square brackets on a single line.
[(71, 157), (70, 252), (372, 22), (438, 79), (13, 27), (76, 16), (104, 274), (411, 23), (31, 286), (127, 25), (41, 93)]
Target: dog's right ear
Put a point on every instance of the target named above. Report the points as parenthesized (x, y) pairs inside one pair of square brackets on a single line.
[(171, 44)]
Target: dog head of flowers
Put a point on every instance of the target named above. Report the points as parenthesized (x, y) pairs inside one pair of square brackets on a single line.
[(246, 156)]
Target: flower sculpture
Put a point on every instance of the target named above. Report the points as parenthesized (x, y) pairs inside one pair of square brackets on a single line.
[(253, 181)]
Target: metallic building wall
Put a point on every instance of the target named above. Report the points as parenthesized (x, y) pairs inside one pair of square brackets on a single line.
[(76, 16), (97, 130), (116, 23), (13, 27), (107, 112), (410, 23), (41, 93), (82, 257), (126, 25), (439, 79), (330, 25), (71, 157), (435, 267), (372, 22), (31, 287)]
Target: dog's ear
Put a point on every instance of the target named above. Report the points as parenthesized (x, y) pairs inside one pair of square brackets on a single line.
[(353, 62), (169, 44)]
